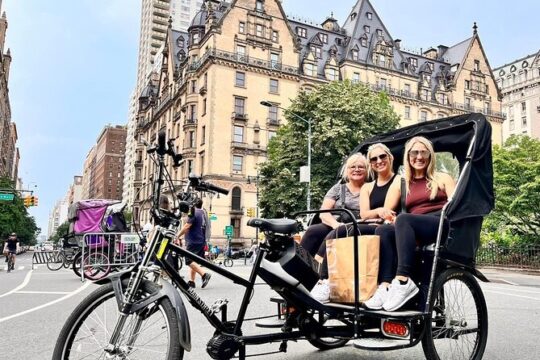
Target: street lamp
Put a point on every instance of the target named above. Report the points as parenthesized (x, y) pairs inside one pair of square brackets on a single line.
[(269, 104)]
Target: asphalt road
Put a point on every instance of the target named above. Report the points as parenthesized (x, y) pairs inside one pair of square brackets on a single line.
[(35, 303)]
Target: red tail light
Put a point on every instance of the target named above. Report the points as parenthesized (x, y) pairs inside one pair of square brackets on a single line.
[(395, 329)]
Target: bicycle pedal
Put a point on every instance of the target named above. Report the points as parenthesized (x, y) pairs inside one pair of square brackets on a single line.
[(218, 305)]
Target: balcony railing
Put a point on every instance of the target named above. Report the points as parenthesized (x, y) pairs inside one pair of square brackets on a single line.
[(239, 116), (273, 122)]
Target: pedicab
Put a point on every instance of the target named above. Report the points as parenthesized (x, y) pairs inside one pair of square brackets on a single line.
[(449, 318)]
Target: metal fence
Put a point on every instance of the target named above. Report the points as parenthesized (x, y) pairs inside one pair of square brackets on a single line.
[(102, 253), (526, 257)]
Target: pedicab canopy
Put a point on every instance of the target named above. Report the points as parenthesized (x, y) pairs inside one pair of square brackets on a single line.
[(474, 197), (94, 215)]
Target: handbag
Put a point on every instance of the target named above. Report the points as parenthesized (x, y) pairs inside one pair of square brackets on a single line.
[(340, 257)]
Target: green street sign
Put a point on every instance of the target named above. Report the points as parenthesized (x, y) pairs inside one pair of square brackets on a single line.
[(6, 197), (228, 230), (213, 217)]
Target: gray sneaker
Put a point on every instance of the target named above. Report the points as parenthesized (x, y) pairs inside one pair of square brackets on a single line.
[(321, 292), (399, 294), (377, 300), (205, 279)]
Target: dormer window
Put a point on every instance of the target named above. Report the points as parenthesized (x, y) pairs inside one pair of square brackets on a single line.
[(302, 32), (180, 42), (317, 51), (323, 37), (363, 41), (413, 61), (369, 15), (353, 16), (431, 66), (259, 6), (379, 32), (354, 54), (367, 29)]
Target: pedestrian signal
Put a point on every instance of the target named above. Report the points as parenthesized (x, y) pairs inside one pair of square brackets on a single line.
[(251, 212), (34, 201)]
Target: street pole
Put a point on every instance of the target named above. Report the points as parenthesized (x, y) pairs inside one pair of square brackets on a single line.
[(269, 104)]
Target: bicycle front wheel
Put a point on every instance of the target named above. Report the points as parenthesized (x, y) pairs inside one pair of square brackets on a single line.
[(228, 262), (55, 261), (151, 333)]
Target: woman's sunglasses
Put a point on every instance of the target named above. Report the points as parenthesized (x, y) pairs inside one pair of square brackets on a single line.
[(379, 157), (415, 153)]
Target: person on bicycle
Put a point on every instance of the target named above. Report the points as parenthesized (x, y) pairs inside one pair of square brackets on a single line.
[(427, 192), (195, 235), (11, 247)]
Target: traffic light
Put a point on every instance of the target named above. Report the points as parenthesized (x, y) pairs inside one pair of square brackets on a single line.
[(35, 201), (26, 201), (251, 212)]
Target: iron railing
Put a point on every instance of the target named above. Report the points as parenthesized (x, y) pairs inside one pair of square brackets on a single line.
[(526, 257)]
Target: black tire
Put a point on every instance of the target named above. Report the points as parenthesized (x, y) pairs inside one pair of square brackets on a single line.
[(327, 343), (76, 266), (180, 263), (56, 261), (228, 262), (86, 318), (458, 328)]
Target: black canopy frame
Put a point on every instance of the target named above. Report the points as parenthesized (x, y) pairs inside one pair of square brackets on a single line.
[(468, 139)]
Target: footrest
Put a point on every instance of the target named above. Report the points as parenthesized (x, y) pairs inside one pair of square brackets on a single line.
[(271, 323), (379, 344)]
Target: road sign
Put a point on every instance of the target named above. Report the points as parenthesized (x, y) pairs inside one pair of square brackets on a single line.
[(213, 217), (228, 230), (6, 197), (129, 239)]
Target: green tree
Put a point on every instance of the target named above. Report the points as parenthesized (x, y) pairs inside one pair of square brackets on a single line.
[(342, 115), (15, 218), (60, 232), (516, 217)]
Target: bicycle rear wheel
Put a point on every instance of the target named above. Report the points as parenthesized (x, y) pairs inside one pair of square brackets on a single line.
[(151, 333), (96, 266), (56, 261), (228, 262), (458, 328)]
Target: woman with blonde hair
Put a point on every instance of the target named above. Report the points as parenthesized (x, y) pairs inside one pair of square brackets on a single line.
[(427, 191), (344, 194)]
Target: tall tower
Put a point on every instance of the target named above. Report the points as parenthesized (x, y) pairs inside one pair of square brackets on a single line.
[(155, 16)]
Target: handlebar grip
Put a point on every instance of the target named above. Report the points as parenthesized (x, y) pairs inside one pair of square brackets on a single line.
[(161, 149), (216, 189)]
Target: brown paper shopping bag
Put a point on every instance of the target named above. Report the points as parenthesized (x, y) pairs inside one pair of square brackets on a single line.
[(341, 267)]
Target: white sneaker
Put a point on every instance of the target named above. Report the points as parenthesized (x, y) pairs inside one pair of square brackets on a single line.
[(399, 294), (321, 291), (378, 299)]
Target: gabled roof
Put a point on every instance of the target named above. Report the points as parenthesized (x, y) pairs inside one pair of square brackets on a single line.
[(455, 54)]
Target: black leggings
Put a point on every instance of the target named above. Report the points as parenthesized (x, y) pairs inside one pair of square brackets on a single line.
[(399, 241), (310, 241)]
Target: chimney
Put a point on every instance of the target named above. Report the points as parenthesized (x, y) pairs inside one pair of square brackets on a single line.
[(431, 53), (3, 29), (7, 63), (397, 44), (441, 50)]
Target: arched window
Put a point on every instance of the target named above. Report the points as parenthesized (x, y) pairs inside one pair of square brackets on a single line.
[(236, 202)]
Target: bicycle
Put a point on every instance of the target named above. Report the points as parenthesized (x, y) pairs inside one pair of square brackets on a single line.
[(146, 318), (10, 262), (62, 258)]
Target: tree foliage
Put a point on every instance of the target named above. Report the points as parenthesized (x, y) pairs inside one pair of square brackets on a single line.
[(516, 217), (60, 232), (15, 218), (342, 115)]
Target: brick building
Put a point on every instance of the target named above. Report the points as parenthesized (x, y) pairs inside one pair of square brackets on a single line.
[(103, 172)]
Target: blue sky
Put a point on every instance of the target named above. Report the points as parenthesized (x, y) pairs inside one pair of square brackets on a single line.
[(74, 66)]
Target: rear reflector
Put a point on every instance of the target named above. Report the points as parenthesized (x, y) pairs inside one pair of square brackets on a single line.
[(395, 329)]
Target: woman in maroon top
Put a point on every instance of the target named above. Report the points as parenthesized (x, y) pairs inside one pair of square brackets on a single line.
[(427, 192)]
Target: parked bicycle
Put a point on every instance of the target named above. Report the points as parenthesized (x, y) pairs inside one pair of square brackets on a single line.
[(63, 257), (134, 315)]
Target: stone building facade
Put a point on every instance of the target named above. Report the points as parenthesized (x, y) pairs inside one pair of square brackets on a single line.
[(236, 54), (519, 82), (9, 153)]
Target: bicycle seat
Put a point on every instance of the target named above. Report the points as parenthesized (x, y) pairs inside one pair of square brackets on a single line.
[(280, 226)]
